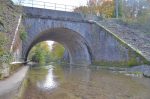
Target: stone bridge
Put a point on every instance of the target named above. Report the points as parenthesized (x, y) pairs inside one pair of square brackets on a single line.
[(86, 41)]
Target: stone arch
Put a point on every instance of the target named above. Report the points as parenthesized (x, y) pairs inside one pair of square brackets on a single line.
[(78, 49)]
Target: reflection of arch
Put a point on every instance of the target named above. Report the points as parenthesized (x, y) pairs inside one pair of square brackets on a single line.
[(76, 45)]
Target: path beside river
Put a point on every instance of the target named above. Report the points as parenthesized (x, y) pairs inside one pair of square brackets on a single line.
[(9, 86)]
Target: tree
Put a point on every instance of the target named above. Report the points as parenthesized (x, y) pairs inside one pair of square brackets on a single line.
[(104, 8), (40, 53), (117, 8), (57, 51), (82, 9)]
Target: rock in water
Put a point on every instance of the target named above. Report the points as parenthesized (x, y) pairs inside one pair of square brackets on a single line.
[(147, 74)]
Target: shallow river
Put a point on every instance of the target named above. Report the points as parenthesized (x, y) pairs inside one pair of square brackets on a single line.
[(77, 82)]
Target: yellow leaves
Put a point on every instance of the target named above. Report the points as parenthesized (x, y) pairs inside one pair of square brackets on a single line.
[(103, 8), (57, 50), (3, 42), (83, 9), (40, 53), (1, 51), (106, 9), (5, 56)]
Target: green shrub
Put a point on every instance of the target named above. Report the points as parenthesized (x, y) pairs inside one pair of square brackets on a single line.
[(5, 55), (23, 35)]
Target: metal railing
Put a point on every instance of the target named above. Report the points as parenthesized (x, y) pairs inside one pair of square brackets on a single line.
[(47, 5)]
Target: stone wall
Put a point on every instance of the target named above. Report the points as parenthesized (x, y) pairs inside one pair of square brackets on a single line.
[(7, 69), (111, 50), (4, 71)]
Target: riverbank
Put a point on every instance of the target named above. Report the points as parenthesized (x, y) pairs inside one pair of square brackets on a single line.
[(141, 70), (9, 87)]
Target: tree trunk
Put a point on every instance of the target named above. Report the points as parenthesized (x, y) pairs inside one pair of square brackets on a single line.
[(116, 8)]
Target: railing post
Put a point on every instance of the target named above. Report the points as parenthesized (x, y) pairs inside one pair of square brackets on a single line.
[(116, 8), (65, 7), (20, 2), (44, 5), (32, 3), (55, 6), (73, 7)]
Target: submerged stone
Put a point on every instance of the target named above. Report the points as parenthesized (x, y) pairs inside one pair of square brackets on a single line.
[(147, 74)]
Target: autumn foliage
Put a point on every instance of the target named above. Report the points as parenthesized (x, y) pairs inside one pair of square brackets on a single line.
[(42, 54), (104, 8)]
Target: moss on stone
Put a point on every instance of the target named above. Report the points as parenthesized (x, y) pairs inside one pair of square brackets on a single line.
[(15, 67), (22, 89), (132, 62), (136, 73), (110, 63), (129, 63), (1, 77)]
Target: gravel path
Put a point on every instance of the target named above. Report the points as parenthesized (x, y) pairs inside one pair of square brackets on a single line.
[(12, 83)]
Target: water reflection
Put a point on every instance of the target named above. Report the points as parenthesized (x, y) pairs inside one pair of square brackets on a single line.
[(80, 72), (49, 82), (77, 82)]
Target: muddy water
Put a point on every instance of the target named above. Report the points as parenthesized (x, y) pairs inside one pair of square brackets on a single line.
[(76, 82)]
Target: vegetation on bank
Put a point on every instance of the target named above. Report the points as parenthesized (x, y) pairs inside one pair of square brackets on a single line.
[(101, 8), (57, 52), (42, 54), (136, 14), (5, 55), (22, 33), (9, 15)]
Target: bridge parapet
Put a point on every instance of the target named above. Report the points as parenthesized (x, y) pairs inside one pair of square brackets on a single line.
[(58, 15)]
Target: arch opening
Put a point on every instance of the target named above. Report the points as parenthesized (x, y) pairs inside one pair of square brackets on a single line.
[(74, 44), (46, 52)]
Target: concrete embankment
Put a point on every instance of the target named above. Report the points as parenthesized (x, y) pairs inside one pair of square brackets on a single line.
[(10, 86)]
